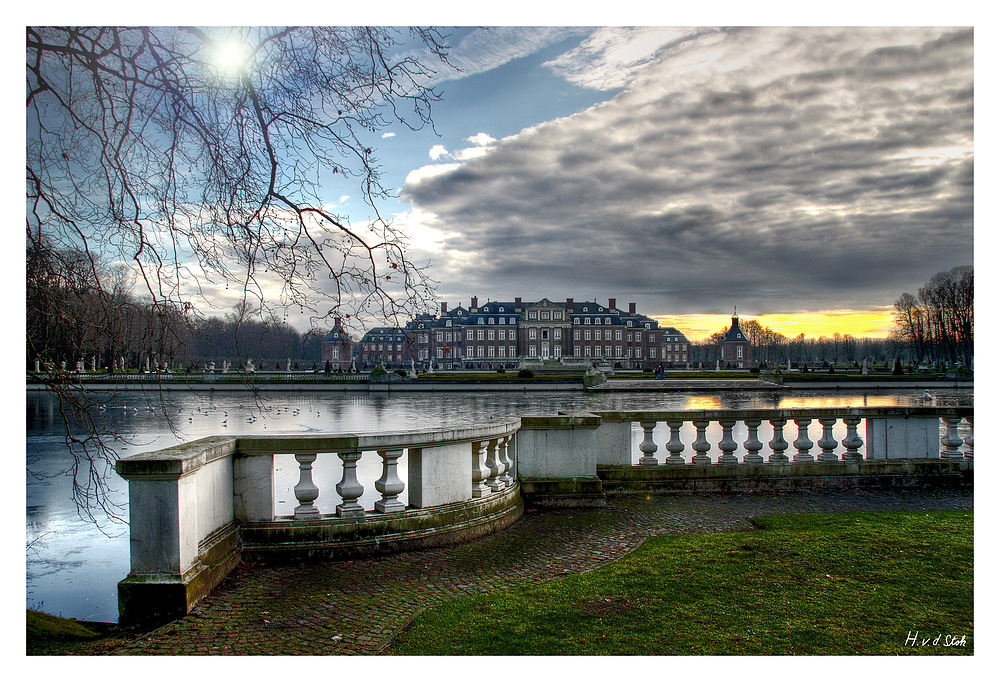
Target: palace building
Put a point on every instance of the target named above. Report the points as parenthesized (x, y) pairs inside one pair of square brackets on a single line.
[(503, 334)]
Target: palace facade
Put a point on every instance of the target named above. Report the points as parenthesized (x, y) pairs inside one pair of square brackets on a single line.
[(503, 334)]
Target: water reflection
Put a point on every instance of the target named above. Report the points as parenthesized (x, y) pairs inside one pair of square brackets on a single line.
[(73, 565)]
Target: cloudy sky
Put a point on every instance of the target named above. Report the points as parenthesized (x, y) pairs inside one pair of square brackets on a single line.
[(796, 173)]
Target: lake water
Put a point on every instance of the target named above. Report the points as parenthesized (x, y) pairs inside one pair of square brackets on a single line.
[(74, 565)]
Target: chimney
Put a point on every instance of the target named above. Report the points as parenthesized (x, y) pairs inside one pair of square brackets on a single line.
[(444, 308), (631, 308), (569, 305), (517, 304), (611, 305), (474, 305)]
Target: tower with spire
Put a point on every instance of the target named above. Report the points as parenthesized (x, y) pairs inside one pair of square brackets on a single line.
[(734, 348)]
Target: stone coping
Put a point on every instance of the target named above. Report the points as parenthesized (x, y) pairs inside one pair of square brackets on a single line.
[(183, 459)]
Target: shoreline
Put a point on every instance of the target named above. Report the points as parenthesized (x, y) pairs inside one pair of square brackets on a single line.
[(612, 386)]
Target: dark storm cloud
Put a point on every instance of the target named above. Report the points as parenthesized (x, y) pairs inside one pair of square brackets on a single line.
[(802, 168)]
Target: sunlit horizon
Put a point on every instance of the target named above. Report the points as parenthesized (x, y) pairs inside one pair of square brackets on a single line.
[(876, 323)]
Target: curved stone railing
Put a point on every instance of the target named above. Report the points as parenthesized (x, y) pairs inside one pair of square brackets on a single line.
[(196, 509)]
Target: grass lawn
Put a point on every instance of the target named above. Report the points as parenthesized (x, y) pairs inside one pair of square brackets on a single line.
[(824, 584)]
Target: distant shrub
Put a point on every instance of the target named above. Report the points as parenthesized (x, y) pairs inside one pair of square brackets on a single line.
[(525, 374), (501, 371), (755, 370)]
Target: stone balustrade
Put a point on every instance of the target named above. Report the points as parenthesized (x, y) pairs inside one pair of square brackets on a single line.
[(576, 459), (793, 435), (197, 509)]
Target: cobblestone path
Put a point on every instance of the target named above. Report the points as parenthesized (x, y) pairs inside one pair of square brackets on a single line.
[(358, 607)]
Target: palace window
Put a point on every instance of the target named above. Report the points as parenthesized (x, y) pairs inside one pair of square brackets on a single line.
[(558, 333), (479, 334), (491, 335), (532, 333)]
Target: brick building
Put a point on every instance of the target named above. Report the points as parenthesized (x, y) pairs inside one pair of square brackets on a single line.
[(734, 349), (337, 347), (505, 333)]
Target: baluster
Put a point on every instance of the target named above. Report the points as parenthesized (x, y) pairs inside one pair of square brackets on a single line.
[(508, 463), (390, 484), (647, 446), (752, 443), (494, 468), (349, 488), (306, 491), (479, 488), (802, 443), (727, 445), (827, 442), (853, 441), (968, 440), (778, 444), (676, 446), (950, 439), (701, 444)]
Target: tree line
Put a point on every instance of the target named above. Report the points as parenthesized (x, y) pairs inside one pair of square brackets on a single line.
[(79, 308), (937, 324), (935, 328)]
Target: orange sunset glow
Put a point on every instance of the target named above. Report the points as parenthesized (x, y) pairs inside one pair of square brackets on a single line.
[(874, 323)]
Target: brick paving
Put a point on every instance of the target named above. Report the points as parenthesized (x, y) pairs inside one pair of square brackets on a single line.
[(358, 607)]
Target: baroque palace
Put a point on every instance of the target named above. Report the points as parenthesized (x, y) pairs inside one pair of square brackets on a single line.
[(505, 334)]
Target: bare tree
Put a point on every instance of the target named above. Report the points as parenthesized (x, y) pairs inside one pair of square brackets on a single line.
[(196, 160), (938, 323)]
